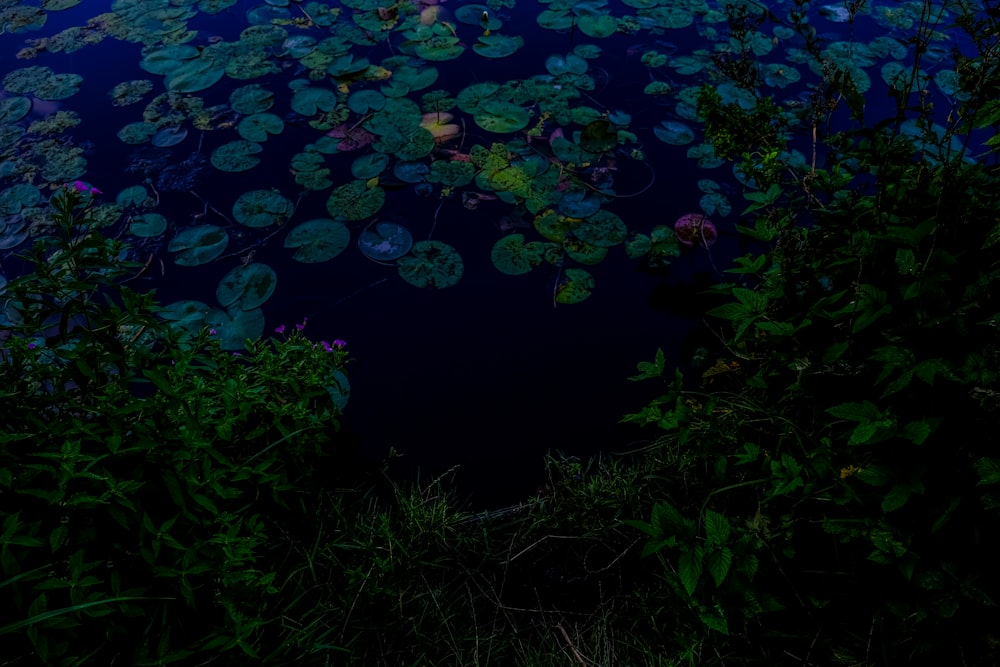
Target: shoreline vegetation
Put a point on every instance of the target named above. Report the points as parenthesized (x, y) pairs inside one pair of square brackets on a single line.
[(821, 490)]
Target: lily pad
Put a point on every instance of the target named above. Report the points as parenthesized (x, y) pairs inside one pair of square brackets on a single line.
[(355, 200), (199, 244), (236, 156), (134, 195), (13, 109), (603, 229), (256, 127), (17, 197), (578, 204), (235, 326), (262, 208), (247, 286), (495, 45), (673, 132), (501, 117), (251, 99), (318, 240), (511, 255), (169, 136), (431, 264), (370, 165), (147, 225), (311, 101), (575, 286), (385, 241)]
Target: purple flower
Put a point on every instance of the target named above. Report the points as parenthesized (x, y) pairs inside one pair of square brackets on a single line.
[(340, 343), (31, 346), (211, 332), (326, 346), (80, 186), (300, 327), (280, 329)]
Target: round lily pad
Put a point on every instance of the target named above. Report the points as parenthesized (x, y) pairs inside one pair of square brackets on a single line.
[(262, 208), (194, 75), (578, 204), (199, 244), (355, 200), (385, 241), (575, 286), (251, 99), (13, 109), (247, 286), (148, 225), (256, 127), (501, 117), (431, 264), (310, 101), (370, 165), (603, 229), (234, 326), (673, 132), (511, 255), (16, 197), (495, 45), (134, 195), (169, 136), (236, 156), (318, 240)]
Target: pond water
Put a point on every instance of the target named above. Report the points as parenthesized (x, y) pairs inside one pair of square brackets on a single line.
[(536, 156)]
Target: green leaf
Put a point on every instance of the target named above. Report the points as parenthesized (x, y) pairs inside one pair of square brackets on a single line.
[(731, 311), (716, 528), (896, 498), (690, 566), (858, 412), (988, 471), (917, 432), (718, 562), (863, 433)]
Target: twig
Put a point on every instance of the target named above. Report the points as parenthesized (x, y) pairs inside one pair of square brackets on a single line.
[(576, 654)]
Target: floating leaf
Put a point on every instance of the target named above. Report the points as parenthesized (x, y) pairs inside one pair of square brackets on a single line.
[(236, 156), (194, 75), (262, 208), (256, 127), (59, 87), (199, 244), (496, 45), (575, 286), (137, 133), (169, 136), (318, 240), (598, 25), (147, 225), (16, 197), (599, 136), (501, 117), (385, 241), (511, 255), (364, 101), (251, 99), (310, 101), (603, 229), (355, 200), (369, 166), (673, 132), (247, 286), (135, 195), (13, 109), (431, 264), (235, 326), (579, 204)]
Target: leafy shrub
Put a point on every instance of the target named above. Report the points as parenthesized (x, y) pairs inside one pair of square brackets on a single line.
[(143, 470)]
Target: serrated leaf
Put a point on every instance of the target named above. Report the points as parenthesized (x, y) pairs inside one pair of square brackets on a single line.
[(896, 498), (863, 433), (730, 311), (988, 471), (719, 562), (716, 528), (917, 432), (857, 412), (690, 567)]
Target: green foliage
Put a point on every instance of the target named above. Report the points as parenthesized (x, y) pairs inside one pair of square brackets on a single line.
[(833, 440), (144, 470)]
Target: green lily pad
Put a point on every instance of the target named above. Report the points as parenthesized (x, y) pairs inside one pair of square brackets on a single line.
[(59, 87), (715, 202), (439, 48), (188, 315), (496, 45), (370, 165), (137, 133), (311, 101), (9, 135), (318, 240), (236, 156), (262, 208), (16, 197), (584, 252), (599, 136), (169, 136), (674, 133), (247, 286), (256, 127), (385, 241), (147, 225), (511, 255), (199, 244), (363, 101), (578, 204), (194, 75), (251, 99), (431, 264), (134, 195), (552, 225), (355, 200), (13, 109), (168, 58), (568, 64), (598, 25), (575, 286), (452, 173), (501, 117), (603, 229), (233, 327), (26, 79)]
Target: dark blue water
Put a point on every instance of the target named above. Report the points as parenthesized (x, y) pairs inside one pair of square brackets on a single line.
[(488, 374)]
